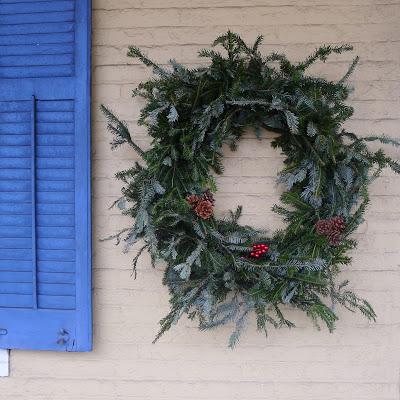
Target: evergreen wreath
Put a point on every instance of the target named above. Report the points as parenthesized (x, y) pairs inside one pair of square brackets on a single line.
[(218, 270)]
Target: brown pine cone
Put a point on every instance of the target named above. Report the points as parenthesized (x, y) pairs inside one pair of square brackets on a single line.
[(193, 200), (338, 223), (204, 209), (323, 227), (335, 238), (207, 195)]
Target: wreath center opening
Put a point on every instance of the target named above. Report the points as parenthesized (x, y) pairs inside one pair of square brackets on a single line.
[(249, 179)]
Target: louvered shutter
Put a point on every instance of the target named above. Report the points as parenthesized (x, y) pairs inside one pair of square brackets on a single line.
[(45, 295)]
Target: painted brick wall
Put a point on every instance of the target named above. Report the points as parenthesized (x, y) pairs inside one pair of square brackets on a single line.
[(4, 358), (360, 361)]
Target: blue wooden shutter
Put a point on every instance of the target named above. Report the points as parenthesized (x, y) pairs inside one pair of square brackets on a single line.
[(45, 279)]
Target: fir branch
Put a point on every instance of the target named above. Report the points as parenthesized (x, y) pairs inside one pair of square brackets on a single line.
[(120, 130), (351, 69), (322, 54), (135, 52)]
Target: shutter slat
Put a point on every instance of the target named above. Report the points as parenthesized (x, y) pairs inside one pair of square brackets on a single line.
[(37, 7), (16, 276), (43, 266), (29, 29), (35, 60), (53, 209), (56, 289), (55, 220), (18, 197), (55, 186), (43, 244), (56, 255), (14, 106), (31, 49), (15, 232), (56, 105), (51, 129), (17, 186), (57, 163), (42, 17), (55, 277), (15, 243), (16, 2), (56, 244), (56, 197), (14, 163), (63, 174), (51, 232), (42, 232), (54, 151), (43, 174), (14, 129), (56, 266), (14, 140), (6, 208), (15, 117), (15, 254), (16, 288), (57, 302), (14, 174), (15, 152), (16, 265), (54, 116), (36, 71), (36, 39), (15, 220), (43, 140), (15, 301)]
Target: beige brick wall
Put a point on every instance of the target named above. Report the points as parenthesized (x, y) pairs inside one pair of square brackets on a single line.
[(360, 361)]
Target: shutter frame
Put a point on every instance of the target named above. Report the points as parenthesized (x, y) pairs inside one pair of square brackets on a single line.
[(44, 328), (84, 276)]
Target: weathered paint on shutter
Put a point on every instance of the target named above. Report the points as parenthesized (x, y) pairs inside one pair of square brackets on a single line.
[(45, 278)]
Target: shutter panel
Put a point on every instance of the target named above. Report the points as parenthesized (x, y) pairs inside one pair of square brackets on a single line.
[(45, 278)]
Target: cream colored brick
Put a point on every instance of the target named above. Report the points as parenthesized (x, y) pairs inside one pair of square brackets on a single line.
[(288, 35), (151, 4), (127, 18)]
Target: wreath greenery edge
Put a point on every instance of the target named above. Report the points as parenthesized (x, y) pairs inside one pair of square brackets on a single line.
[(218, 270)]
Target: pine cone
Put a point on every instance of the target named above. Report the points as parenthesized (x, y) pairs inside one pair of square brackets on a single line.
[(204, 209), (193, 200), (335, 238), (323, 227), (207, 195), (338, 223)]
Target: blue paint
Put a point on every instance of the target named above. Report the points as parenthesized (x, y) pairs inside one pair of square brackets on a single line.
[(33, 205), (45, 235)]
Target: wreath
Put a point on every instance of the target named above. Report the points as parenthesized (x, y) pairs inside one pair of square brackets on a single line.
[(218, 270)]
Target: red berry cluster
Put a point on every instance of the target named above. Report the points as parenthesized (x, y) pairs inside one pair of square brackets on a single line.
[(259, 250)]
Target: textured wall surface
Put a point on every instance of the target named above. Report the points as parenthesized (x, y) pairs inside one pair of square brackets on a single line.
[(360, 361), (4, 357)]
